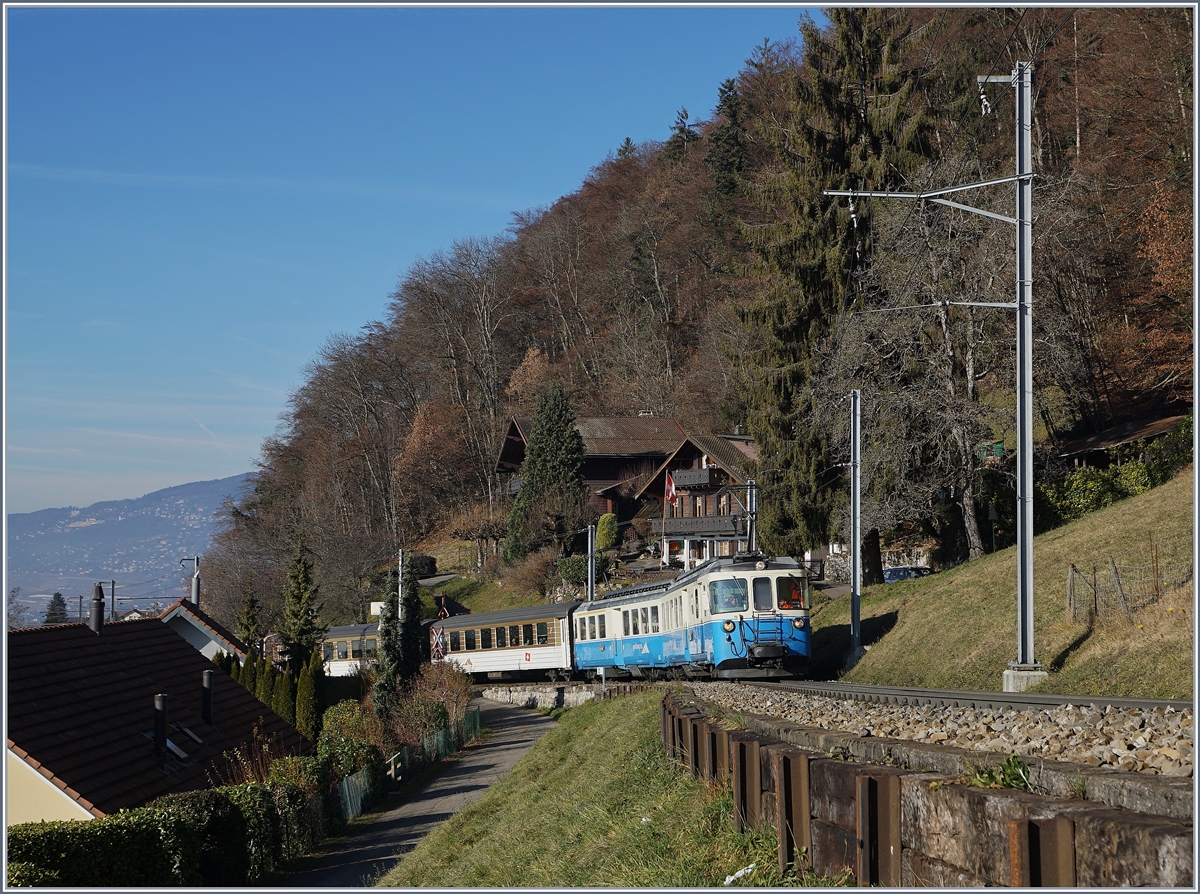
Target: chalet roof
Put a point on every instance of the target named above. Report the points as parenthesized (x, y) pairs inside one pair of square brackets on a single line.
[(1120, 434), (80, 707), (733, 453), (651, 437), (196, 616)]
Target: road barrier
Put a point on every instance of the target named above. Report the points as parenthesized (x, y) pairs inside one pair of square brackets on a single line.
[(898, 826)]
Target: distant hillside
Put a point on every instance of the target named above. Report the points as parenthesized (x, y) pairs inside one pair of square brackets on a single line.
[(138, 543)]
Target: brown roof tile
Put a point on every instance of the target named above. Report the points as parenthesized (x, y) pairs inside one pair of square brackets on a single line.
[(80, 707), (653, 437)]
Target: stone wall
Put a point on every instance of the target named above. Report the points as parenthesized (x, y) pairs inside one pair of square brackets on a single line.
[(894, 825), (549, 696)]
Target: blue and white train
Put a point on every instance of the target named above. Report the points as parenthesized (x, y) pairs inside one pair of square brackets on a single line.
[(744, 616)]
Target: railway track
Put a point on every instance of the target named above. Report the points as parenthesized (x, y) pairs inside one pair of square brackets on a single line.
[(900, 695)]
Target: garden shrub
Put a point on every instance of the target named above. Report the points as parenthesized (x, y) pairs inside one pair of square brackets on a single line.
[(608, 532), (351, 739), (217, 825), (300, 822), (423, 566), (574, 569), (133, 848), (257, 805)]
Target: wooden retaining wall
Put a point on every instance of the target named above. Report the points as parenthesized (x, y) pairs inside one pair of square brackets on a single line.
[(897, 827)]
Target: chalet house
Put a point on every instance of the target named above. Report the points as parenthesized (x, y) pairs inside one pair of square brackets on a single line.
[(1094, 450), (207, 636), (617, 452), (708, 518), (113, 717)]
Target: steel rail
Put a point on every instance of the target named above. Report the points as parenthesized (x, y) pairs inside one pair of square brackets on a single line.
[(901, 695)]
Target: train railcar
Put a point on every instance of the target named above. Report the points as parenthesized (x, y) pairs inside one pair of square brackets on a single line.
[(739, 617), (347, 649), (512, 644)]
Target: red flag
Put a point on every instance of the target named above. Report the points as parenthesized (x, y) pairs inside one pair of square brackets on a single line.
[(672, 498)]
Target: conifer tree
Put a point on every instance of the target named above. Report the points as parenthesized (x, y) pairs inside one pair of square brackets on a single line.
[(853, 126), (316, 668), (300, 626), (386, 694), (249, 677), (306, 703), (266, 683), (283, 699), (56, 611), (551, 501), (249, 620), (410, 625)]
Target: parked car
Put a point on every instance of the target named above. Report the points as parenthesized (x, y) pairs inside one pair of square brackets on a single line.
[(904, 572)]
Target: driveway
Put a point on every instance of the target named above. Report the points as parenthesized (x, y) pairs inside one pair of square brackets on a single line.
[(372, 847)]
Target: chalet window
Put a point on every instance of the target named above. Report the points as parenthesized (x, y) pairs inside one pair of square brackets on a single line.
[(762, 594), (698, 511), (455, 641), (485, 638), (602, 633), (527, 634), (501, 642), (592, 626), (724, 505), (470, 640), (654, 619), (543, 634)]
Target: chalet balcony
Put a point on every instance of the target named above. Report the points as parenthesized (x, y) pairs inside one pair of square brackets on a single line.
[(724, 526), (694, 477)]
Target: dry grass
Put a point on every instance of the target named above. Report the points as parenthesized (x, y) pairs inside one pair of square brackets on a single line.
[(957, 629)]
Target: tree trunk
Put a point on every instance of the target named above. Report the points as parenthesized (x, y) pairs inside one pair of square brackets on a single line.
[(970, 523), (872, 559)]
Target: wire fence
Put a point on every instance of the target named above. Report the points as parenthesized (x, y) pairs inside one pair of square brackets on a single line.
[(1157, 576), (436, 747)]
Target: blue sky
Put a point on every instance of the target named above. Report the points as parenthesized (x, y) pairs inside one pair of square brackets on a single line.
[(197, 198)]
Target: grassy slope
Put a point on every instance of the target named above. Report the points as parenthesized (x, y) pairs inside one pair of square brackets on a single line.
[(594, 803), (957, 629)]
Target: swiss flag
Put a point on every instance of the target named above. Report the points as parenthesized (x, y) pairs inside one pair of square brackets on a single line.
[(672, 498)]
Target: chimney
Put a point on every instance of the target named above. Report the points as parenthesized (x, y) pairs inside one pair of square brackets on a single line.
[(96, 616), (206, 693), (160, 724)]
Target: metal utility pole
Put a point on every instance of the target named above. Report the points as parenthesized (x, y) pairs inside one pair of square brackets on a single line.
[(751, 515), (1026, 668), (855, 524), (399, 588)]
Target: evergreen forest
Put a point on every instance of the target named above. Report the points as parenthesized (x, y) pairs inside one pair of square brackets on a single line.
[(708, 278)]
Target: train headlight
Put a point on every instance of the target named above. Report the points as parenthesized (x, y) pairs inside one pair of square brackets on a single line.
[(798, 623), (728, 626)]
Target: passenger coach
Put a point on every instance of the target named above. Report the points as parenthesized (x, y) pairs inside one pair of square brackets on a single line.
[(507, 645)]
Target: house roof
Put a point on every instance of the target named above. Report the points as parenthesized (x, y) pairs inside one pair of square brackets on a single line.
[(733, 453), (80, 707), (186, 608), (1120, 434), (633, 436)]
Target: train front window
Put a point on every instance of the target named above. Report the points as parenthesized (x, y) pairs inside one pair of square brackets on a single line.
[(485, 638), (762, 594), (501, 642), (728, 595), (790, 591)]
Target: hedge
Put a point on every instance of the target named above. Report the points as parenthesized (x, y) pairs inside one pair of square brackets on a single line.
[(215, 821), (133, 848), (263, 841)]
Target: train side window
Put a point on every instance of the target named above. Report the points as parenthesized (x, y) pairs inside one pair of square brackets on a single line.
[(625, 622), (327, 651), (728, 595), (455, 641), (602, 633), (514, 636), (637, 630), (582, 629), (485, 638), (341, 651), (654, 619), (762, 594), (527, 634), (371, 648), (592, 626), (543, 634), (790, 592), (356, 649), (470, 640), (501, 642)]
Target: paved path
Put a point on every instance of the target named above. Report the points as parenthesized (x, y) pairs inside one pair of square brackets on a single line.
[(372, 848)]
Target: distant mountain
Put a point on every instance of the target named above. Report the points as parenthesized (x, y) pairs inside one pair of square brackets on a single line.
[(138, 543)]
